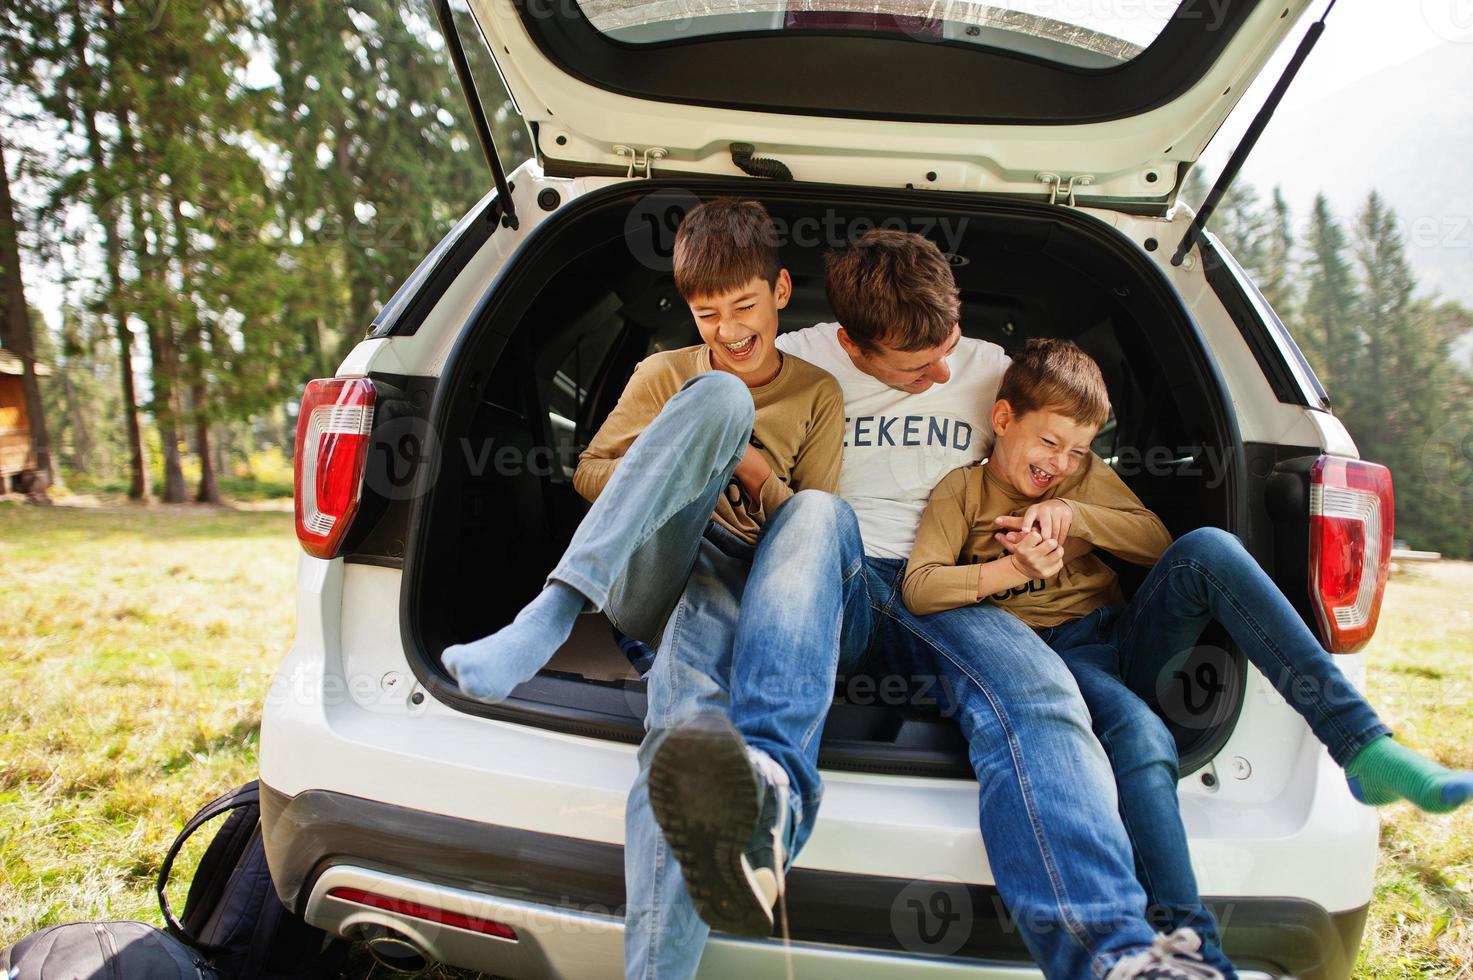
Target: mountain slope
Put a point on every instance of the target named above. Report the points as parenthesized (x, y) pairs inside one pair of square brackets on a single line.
[(1406, 131)]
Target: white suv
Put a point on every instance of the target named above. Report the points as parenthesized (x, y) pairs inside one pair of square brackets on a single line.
[(434, 474)]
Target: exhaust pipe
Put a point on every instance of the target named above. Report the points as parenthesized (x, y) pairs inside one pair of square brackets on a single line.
[(397, 952)]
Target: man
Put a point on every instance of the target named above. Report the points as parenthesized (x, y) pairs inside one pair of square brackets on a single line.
[(825, 583)]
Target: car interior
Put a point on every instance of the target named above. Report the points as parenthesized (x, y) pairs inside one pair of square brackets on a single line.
[(504, 507)]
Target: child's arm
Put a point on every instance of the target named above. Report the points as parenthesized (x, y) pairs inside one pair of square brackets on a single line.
[(933, 580), (1110, 517), (648, 390), (816, 466)]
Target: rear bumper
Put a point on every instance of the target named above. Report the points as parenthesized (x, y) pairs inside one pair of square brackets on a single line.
[(564, 897)]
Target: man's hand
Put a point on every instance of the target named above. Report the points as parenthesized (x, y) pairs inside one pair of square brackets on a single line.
[(1050, 518), (1035, 555), (752, 472)]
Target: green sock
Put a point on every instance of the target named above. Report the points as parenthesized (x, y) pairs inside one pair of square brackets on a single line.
[(1385, 771)]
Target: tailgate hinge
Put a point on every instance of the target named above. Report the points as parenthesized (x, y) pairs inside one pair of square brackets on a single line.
[(1066, 185), (641, 162)]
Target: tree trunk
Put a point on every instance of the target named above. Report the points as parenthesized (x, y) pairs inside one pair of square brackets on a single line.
[(15, 334), (360, 287), (81, 435), (104, 206), (209, 483), (194, 337), (163, 357), (224, 442)]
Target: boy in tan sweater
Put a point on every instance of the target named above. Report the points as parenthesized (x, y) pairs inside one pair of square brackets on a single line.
[(1019, 530), (704, 445)]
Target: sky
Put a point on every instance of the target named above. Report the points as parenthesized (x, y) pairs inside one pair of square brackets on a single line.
[(1361, 37)]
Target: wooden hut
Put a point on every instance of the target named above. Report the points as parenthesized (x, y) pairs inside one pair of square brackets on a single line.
[(17, 454)]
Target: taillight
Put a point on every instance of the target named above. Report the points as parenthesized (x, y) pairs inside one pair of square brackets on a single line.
[(1350, 527), (332, 447)]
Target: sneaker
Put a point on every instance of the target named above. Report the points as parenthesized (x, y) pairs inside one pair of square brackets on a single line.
[(1175, 956), (724, 809)]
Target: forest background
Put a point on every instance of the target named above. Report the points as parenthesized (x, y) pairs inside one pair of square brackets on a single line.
[(234, 188)]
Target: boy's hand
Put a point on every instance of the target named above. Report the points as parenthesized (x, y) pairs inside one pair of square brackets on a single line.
[(1051, 518), (1073, 548), (752, 472), (1035, 556)]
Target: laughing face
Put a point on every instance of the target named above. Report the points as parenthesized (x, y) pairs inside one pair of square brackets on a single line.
[(1037, 450), (740, 326)]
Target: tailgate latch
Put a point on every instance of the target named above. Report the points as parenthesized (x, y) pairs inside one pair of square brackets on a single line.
[(641, 162), (1061, 185)]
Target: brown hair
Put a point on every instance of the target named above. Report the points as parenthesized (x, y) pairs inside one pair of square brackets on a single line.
[(892, 287), (723, 245), (1058, 376)]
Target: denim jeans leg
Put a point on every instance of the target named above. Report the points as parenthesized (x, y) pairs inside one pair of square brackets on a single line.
[(1142, 752), (1047, 801), (663, 935), (1207, 574), (632, 550), (805, 610)]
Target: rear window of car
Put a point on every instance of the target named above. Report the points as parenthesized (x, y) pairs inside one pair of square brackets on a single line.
[(1077, 33)]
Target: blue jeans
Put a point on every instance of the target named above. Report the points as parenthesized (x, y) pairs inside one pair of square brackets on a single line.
[(634, 549), (648, 555), (1047, 799), (1121, 656)]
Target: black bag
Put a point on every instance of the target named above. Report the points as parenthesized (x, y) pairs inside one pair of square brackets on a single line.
[(232, 913), (103, 951)]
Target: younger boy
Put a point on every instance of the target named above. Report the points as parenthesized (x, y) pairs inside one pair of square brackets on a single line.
[(1017, 530), (704, 445)]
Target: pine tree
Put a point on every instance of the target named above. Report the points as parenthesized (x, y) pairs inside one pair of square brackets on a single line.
[(16, 335), (1442, 463), (1276, 277), (1241, 225), (1405, 372), (1326, 327), (82, 97), (368, 117)]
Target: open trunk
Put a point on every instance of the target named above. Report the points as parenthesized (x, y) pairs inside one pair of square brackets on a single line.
[(590, 294)]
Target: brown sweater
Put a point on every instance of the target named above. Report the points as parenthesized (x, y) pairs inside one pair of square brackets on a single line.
[(956, 536), (799, 429)]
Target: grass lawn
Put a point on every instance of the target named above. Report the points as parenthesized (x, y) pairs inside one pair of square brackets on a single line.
[(137, 643)]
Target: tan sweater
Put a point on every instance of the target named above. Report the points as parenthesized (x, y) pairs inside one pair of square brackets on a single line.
[(956, 537), (799, 429)]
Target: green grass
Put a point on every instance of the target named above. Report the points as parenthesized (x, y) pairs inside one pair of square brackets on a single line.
[(137, 645), (1421, 681)]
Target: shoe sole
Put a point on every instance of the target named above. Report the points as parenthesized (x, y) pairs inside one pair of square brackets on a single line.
[(705, 800)]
